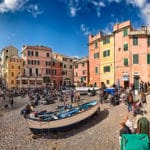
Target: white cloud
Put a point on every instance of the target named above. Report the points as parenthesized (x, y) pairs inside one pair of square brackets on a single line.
[(108, 28), (73, 11), (117, 1), (146, 13), (137, 3), (85, 29), (100, 4), (34, 10), (11, 5), (16, 5)]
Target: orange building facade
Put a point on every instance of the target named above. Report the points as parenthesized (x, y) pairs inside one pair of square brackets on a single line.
[(94, 59)]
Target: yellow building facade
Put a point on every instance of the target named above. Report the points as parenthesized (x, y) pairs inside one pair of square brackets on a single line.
[(107, 60), (14, 69)]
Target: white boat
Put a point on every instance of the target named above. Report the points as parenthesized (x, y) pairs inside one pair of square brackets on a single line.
[(43, 123)]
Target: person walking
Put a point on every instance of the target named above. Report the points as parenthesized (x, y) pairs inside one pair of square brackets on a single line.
[(130, 101)]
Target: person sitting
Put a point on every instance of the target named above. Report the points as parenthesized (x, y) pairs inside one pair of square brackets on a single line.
[(129, 123), (124, 130)]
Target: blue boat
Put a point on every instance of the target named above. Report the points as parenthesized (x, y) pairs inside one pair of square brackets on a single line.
[(47, 121)]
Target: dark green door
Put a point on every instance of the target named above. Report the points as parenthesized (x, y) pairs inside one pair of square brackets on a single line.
[(136, 82)]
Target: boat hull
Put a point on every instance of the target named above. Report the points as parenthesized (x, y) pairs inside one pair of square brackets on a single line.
[(42, 127)]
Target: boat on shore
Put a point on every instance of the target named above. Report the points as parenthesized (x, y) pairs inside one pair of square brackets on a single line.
[(44, 122)]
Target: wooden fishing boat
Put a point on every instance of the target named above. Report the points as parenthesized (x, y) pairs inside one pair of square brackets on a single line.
[(44, 122)]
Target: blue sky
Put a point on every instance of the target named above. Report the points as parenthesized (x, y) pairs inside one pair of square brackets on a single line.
[(64, 25)]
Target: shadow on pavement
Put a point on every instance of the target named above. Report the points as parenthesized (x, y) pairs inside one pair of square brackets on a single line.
[(79, 127)]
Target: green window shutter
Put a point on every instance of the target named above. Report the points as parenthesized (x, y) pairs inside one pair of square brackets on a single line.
[(106, 40), (148, 40), (125, 32), (96, 44), (148, 58), (135, 58), (65, 66), (126, 61), (106, 69), (135, 40), (96, 55), (96, 70), (125, 47)]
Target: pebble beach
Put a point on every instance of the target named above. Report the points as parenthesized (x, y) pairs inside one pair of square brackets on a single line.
[(99, 132)]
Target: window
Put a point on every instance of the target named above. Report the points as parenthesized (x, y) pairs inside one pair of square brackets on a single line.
[(70, 66), (65, 59), (47, 54), (125, 61), (12, 82), (30, 71), (135, 58), (96, 44), (148, 58), (12, 67), (125, 47), (76, 65), (135, 40), (18, 67), (107, 69), (96, 55), (82, 64), (106, 53), (107, 81), (65, 66), (106, 40), (12, 74), (148, 40), (83, 72), (76, 74), (36, 72), (53, 64), (60, 64), (125, 32), (36, 54), (96, 70)]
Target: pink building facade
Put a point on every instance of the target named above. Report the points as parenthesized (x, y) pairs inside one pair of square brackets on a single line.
[(81, 72), (122, 54), (40, 69), (132, 54)]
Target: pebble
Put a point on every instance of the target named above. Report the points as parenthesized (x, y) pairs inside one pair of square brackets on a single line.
[(97, 133)]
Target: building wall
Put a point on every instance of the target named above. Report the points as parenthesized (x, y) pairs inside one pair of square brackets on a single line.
[(40, 62), (57, 77), (6, 53), (122, 72), (107, 61), (81, 73), (14, 69), (142, 49), (94, 48), (67, 71)]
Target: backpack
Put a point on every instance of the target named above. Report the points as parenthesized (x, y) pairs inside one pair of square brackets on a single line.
[(135, 142), (143, 126)]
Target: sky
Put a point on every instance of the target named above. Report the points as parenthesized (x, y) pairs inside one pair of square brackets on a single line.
[(64, 25)]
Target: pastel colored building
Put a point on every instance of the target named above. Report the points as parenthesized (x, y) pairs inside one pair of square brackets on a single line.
[(14, 69), (6, 52), (140, 58), (94, 59), (67, 64), (123, 53), (81, 72), (56, 73), (37, 69), (107, 60)]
